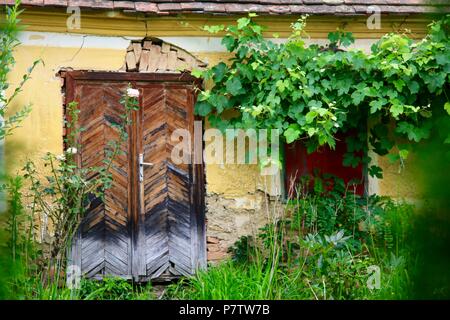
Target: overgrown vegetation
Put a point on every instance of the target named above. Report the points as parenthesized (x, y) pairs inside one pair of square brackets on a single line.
[(322, 248), (327, 246), (9, 26), (312, 93), (57, 203), (10, 260)]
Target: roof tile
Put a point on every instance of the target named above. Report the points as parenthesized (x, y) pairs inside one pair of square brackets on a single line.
[(366, 2), (169, 6), (56, 3), (94, 4), (124, 5), (146, 7), (282, 7), (313, 2), (235, 7), (344, 9), (196, 6), (33, 2), (214, 7)]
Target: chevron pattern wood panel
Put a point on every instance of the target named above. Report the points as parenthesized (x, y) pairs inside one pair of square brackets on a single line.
[(167, 187), (105, 237), (146, 230)]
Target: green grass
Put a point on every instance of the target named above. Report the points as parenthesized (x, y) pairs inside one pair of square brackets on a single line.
[(231, 280)]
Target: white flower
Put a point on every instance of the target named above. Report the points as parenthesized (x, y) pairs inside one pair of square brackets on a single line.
[(71, 150), (133, 93), (61, 157)]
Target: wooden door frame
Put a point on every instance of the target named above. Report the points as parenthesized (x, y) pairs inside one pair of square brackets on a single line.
[(70, 79)]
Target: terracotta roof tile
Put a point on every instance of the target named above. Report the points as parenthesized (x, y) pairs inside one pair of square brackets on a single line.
[(98, 4), (124, 5), (344, 9), (56, 3), (212, 7), (34, 2), (146, 7), (280, 7)]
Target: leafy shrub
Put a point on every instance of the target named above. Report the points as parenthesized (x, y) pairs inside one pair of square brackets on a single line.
[(308, 255), (373, 219), (243, 249), (9, 34)]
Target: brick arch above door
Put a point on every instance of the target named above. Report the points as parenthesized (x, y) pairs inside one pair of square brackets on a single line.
[(156, 55)]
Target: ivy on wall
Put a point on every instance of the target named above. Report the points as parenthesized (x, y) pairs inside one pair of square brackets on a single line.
[(313, 92)]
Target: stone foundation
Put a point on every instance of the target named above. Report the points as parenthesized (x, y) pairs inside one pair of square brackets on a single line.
[(228, 219)]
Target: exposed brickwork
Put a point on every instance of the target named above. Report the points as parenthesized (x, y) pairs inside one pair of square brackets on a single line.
[(153, 55), (277, 7), (216, 250)]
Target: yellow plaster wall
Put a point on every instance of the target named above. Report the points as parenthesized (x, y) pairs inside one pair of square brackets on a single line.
[(228, 180), (42, 131)]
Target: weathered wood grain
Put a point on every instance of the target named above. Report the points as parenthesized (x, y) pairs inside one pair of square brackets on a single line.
[(104, 237)]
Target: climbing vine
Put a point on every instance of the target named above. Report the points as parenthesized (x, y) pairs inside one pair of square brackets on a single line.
[(391, 96), (9, 40)]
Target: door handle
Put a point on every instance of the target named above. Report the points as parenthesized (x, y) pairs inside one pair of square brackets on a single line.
[(141, 166)]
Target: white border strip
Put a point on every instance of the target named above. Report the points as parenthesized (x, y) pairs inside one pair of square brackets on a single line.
[(68, 40), (190, 44)]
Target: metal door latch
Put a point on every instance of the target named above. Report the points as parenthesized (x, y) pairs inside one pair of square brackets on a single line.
[(141, 167)]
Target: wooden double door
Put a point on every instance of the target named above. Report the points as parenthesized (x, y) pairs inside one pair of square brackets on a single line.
[(150, 224)]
